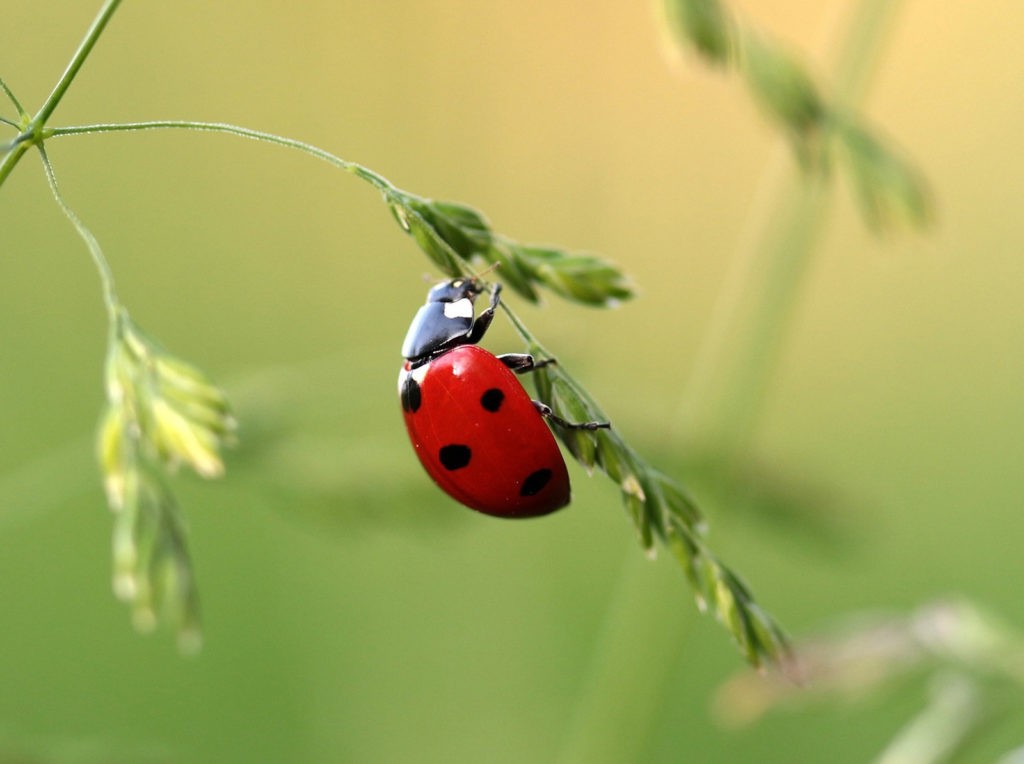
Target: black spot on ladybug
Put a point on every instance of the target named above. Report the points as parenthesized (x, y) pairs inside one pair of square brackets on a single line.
[(455, 456), (535, 482), (492, 399), (411, 395)]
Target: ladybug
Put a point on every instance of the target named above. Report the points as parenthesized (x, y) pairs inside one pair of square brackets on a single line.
[(474, 428)]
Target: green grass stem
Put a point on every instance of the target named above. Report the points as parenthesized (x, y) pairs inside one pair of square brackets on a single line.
[(736, 365)]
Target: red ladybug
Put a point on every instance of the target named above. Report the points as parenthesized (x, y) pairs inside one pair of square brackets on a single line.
[(475, 429)]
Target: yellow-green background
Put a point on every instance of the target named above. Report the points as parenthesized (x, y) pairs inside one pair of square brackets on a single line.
[(351, 612)]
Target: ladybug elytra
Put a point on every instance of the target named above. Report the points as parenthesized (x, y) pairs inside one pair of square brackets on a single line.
[(474, 428)]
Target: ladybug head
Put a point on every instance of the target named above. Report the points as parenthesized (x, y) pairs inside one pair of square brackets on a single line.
[(455, 290), (446, 320)]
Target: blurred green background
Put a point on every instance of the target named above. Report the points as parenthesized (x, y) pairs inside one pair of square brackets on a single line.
[(352, 613)]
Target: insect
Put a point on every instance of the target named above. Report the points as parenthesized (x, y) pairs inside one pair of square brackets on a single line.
[(474, 428)]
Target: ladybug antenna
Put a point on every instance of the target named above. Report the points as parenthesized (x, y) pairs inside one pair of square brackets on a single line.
[(480, 274)]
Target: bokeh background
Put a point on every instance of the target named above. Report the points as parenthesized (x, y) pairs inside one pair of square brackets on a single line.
[(352, 613)]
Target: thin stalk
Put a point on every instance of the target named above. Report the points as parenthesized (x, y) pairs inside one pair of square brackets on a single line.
[(106, 275), (33, 133), (736, 365), (22, 114), (15, 151), (860, 54), (750, 321), (378, 181), (387, 189), (84, 48)]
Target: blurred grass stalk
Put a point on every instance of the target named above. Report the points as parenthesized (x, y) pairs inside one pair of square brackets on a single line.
[(753, 314), (972, 663), (720, 411)]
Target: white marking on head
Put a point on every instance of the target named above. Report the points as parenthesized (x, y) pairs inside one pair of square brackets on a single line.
[(459, 309)]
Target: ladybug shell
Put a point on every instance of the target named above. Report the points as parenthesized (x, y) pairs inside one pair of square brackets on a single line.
[(479, 436)]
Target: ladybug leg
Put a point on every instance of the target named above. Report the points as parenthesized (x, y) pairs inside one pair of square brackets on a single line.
[(483, 321), (547, 413), (521, 363)]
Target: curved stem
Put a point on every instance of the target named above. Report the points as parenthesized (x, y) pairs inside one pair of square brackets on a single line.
[(17, 104), (15, 151), (106, 276), (378, 181), (388, 190)]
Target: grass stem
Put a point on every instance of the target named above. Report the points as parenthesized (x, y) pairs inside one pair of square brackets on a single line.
[(745, 339)]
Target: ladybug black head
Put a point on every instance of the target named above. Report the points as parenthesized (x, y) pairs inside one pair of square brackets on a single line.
[(454, 290), (447, 320)]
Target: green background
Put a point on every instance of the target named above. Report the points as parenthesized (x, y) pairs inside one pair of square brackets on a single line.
[(352, 613)]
